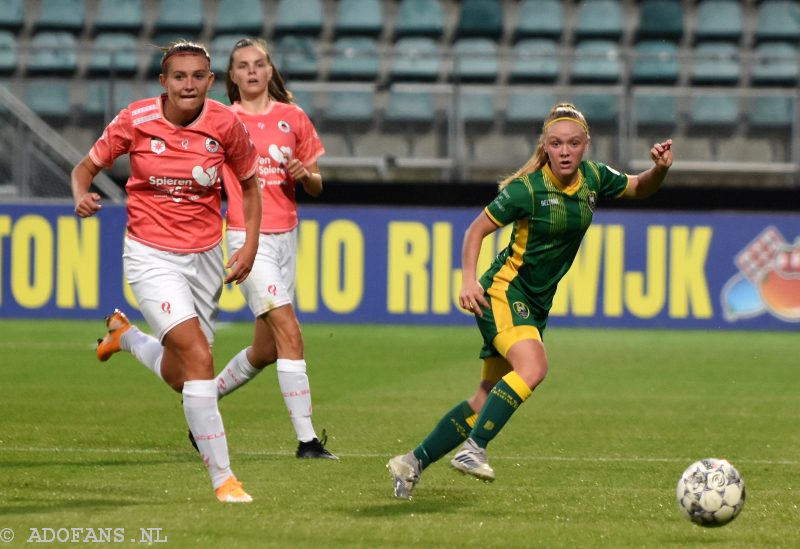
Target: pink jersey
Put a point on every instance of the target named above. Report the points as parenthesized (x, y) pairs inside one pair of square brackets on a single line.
[(281, 132), (174, 195)]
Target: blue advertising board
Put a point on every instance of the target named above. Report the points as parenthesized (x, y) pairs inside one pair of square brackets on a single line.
[(402, 266)]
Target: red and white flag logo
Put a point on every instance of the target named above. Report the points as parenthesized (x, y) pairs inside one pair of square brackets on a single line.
[(157, 145)]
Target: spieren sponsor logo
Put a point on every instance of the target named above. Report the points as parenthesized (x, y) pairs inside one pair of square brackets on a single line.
[(96, 535), (166, 181)]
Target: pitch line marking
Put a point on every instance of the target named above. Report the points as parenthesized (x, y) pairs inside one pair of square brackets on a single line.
[(511, 458)]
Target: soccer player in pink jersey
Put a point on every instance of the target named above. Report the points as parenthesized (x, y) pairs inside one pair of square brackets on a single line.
[(288, 148), (178, 143)]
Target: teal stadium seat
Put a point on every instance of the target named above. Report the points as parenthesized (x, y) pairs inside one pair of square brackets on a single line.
[(656, 109), (61, 15), (475, 60), (660, 19), (243, 17), (359, 18), (97, 100), (778, 20), (220, 52), (535, 60), (480, 18), (772, 112), (716, 63), (416, 59), (299, 17), (598, 108), (719, 20), (296, 57), (599, 19), (597, 62), (529, 108), (8, 53), (119, 16), (305, 100), (218, 93), (718, 110), (477, 107), (114, 53), (420, 18), (350, 107), (539, 19), (775, 64), (51, 101), (655, 62), (12, 15), (180, 16), (356, 59), (409, 107), (53, 53), (164, 40)]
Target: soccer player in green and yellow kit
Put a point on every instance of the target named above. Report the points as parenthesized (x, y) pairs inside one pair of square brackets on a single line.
[(550, 201)]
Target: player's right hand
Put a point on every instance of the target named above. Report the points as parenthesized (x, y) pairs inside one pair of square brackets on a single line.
[(471, 299), (87, 205)]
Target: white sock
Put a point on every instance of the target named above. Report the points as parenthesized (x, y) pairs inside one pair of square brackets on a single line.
[(238, 372), (147, 349), (205, 423), (297, 394)]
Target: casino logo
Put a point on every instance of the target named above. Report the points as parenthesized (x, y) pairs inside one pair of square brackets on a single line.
[(211, 145), (284, 126), (768, 280), (521, 309), (157, 145)]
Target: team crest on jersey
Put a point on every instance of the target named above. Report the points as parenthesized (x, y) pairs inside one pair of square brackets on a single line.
[(157, 145), (211, 145), (521, 309), (283, 126), (592, 200)]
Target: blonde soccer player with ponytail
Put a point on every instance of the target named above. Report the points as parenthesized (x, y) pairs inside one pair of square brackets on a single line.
[(550, 202)]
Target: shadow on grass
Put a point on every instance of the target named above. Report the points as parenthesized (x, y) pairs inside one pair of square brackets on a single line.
[(104, 463), (444, 502), (71, 505)]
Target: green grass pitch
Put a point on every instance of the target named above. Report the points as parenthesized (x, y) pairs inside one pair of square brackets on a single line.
[(590, 461)]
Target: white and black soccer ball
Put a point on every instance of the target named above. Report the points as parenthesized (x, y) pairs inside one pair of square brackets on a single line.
[(711, 492)]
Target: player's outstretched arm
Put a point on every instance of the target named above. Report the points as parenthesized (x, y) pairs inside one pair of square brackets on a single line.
[(81, 179), (648, 182)]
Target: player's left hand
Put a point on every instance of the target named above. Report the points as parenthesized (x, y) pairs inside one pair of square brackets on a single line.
[(240, 264), (297, 169), (661, 153)]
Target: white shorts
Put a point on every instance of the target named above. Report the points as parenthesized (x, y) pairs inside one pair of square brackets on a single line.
[(171, 288), (271, 282)]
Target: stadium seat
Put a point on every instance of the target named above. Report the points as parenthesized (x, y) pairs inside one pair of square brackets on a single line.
[(660, 19), (475, 60), (218, 93), (539, 18), (220, 52), (97, 100), (719, 110), (12, 15), (305, 100), (772, 112), (535, 60), (299, 17), (656, 109), (61, 15), (242, 17), (529, 108), (598, 108), (477, 107), (655, 62), (420, 18), (350, 107), (480, 18), (53, 53), (739, 149), (49, 101), (415, 59), (119, 16), (778, 20), (596, 61), (180, 16), (114, 53), (719, 20), (356, 59), (164, 40), (409, 107), (359, 17), (8, 53), (775, 64), (296, 57), (716, 63), (599, 19)]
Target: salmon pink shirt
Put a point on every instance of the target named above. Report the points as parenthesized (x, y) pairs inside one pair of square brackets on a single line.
[(281, 132), (174, 194)]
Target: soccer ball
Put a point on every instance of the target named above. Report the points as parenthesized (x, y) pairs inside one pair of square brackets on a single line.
[(711, 492)]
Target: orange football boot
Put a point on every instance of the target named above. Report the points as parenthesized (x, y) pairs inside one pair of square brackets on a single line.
[(117, 324), (231, 492)]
